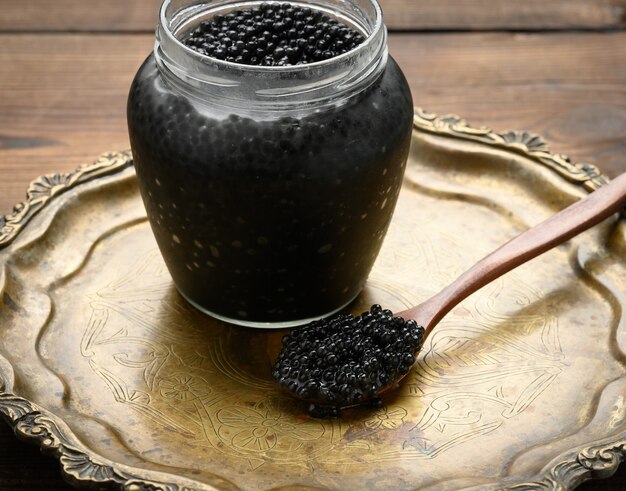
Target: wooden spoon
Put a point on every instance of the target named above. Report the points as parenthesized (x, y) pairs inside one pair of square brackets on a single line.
[(345, 361)]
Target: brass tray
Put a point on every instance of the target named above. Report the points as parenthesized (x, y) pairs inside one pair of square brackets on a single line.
[(521, 387)]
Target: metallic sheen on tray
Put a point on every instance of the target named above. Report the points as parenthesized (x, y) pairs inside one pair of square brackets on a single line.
[(104, 364)]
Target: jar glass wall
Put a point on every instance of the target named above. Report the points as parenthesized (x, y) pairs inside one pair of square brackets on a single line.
[(269, 189)]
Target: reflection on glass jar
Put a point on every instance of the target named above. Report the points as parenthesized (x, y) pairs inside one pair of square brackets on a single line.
[(269, 188)]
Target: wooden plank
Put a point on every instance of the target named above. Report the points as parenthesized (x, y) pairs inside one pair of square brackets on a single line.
[(504, 14), (63, 96), (62, 102), (79, 15), (141, 15)]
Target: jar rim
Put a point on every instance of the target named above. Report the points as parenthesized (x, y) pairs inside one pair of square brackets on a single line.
[(288, 88), (371, 38)]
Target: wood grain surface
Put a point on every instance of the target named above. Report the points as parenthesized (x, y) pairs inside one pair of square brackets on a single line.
[(504, 14), (141, 15), (63, 96)]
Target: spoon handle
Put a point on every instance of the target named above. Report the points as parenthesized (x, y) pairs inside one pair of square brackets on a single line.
[(569, 222)]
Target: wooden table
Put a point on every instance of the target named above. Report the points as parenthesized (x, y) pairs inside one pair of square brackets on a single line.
[(556, 67)]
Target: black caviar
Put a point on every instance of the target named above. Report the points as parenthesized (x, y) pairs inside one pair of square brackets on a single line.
[(267, 219), (345, 360), (273, 34)]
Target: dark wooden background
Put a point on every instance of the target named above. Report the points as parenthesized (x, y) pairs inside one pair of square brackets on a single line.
[(555, 67)]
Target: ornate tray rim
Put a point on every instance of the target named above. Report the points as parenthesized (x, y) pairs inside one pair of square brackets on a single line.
[(82, 467)]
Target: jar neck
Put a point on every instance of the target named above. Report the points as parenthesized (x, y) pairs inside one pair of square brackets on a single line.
[(270, 88)]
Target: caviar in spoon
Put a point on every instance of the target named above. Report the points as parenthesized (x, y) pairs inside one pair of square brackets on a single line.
[(345, 361)]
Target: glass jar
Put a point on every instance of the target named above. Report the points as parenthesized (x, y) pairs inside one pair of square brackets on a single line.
[(269, 189)]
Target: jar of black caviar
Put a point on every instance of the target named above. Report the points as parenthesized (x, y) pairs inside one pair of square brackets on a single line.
[(270, 141)]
